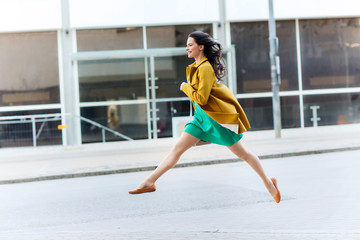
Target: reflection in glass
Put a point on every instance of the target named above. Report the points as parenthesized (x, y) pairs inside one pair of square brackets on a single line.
[(330, 52), (173, 36), (258, 112), (109, 39), (260, 115), (334, 109), (119, 79), (29, 71), (18, 133), (252, 56), (129, 120), (290, 112), (171, 72), (168, 111)]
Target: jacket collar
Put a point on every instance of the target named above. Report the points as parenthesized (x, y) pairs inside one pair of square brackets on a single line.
[(191, 69), (204, 59)]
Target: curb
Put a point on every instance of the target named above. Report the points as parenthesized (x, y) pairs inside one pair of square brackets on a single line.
[(180, 165)]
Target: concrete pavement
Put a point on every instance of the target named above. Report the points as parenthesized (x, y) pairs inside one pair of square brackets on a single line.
[(320, 197), (56, 162)]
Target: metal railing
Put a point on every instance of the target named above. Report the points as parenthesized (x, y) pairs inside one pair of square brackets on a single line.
[(10, 123), (32, 119), (103, 129)]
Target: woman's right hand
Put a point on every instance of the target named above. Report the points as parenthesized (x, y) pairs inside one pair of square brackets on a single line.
[(182, 84)]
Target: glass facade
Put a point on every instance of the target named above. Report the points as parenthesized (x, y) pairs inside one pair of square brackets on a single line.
[(252, 56), (120, 93), (333, 109), (260, 112), (330, 51), (173, 36), (109, 39), (110, 80), (19, 132), (167, 111), (171, 72), (129, 120), (29, 69)]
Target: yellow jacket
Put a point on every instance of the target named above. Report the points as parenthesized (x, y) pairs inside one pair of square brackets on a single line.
[(214, 98)]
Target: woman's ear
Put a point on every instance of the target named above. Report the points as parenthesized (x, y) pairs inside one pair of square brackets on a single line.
[(201, 47)]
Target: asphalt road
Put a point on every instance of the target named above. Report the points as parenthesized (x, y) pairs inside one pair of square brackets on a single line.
[(321, 196)]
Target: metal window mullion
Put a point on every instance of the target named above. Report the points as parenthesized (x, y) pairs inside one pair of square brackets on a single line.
[(109, 103), (144, 37), (30, 107), (148, 109), (153, 97), (61, 87), (299, 67), (33, 124), (76, 86), (233, 79)]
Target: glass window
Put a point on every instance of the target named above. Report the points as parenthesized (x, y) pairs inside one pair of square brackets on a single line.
[(260, 112), (118, 79), (29, 70), (171, 72), (109, 39), (169, 110), (333, 109), (251, 41), (330, 53), (19, 133), (290, 112), (129, 120), (173, 36)]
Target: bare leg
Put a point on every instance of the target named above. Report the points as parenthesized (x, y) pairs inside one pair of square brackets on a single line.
[(185, 142), (239, 150)]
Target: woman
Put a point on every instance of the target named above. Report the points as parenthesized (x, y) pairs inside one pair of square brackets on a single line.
[(218, 116)]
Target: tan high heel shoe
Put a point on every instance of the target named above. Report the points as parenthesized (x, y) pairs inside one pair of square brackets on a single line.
[(277, 198), (151, 188)]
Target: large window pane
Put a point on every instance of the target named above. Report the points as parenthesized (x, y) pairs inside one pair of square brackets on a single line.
[(171, 72), (173, 36), (19, 133), (334, 109), (168, 111), (118, 79), (129, 120), (29, 72), (109, 39), (251, 41), (260, 112), (290, 112), (330, 52)]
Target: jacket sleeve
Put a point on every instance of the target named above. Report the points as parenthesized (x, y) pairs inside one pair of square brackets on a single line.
[(206, 80)]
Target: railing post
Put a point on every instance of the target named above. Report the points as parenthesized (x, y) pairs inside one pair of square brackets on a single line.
[(33, 131), (103, 135)]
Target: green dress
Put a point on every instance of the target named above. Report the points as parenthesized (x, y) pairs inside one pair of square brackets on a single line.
[(207, 129)]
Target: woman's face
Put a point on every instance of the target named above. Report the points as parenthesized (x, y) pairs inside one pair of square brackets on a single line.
[(193, 49)]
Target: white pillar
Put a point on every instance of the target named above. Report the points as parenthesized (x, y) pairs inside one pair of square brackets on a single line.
[(221, 36), (70, 95)]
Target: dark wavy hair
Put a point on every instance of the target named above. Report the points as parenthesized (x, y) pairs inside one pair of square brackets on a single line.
[(213, 52)]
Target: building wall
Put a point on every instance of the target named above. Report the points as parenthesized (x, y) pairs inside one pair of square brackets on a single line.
[(319, 52), (29, 15)]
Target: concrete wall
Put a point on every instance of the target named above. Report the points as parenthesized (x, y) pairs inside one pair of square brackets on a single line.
[(25, 15)]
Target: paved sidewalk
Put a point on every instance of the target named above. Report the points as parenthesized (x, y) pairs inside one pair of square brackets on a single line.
[(44, 163)]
